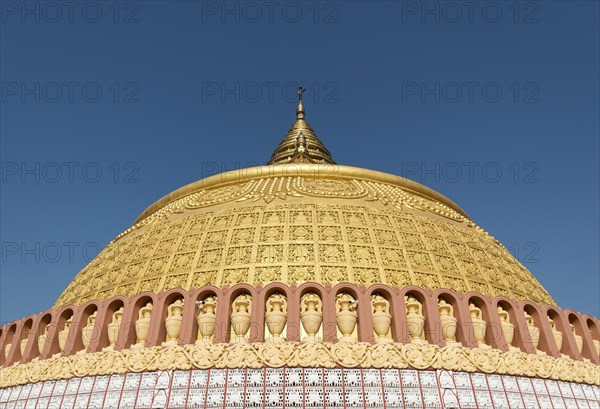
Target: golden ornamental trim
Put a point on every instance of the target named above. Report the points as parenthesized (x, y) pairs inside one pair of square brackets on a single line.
[(295, 354)]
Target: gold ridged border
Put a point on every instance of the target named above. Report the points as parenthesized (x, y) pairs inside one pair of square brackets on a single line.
[(295, 354)]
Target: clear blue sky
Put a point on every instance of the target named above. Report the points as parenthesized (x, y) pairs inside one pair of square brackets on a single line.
[(157, 94)]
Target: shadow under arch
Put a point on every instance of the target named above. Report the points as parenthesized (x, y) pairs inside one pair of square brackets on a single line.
[(362, 309), (430, 313), (460, 312), (196, 296), (512, 309), (226, 309), (395, 311), (132, 315), (493, 332)]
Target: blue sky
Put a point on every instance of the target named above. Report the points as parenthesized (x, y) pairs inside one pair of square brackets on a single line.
[(105, 108)]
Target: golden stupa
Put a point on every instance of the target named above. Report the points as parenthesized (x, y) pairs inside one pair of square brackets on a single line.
[(304, 268), (303, 218)]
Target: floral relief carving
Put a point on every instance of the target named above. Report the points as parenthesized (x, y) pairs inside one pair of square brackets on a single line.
[(436, 253), (306, 354)]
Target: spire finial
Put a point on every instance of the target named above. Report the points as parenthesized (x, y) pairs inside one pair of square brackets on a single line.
[(300, 107)]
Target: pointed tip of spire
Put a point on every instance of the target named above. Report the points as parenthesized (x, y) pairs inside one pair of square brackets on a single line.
[(300, 107)]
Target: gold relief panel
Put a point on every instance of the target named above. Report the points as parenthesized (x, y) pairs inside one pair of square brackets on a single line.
[(358, 235), (332, 253), (468, 237), (104, 294), (114, 275), (520, 285), (221, 222), (177, 280), (210, 258), (436, 244), (182, 261), (301, 253), (157, 265), (448, 230), (243, 236), (301, 233), (301, 217), (419, 260), (202, 278), (271, 234), (405, 223), (215, 238), (470, 268), (330, 233), (158, 231), (197, 225), (109, 264), (233, 276), (460, 249), (412, 241), (151, 284), (354, 218), (190, 242), (175, 229), (385, 237), (144, 252), (165, 246), (127, 289), (482, 288), (123, 256), (495, 260), (87, 289), (379, 220), (456, 284), (135, 270), (364, 255), (238, 255), (479, 255), (328, 217), (366, 276), (273, 217), (103, 282), (392, 257), (427, 227), (266, 275), (270, 254), (300, 274), (445, 264), (503, 278), (398, 278), (427, 280), (247, 219), (334, 274), (488, 273)]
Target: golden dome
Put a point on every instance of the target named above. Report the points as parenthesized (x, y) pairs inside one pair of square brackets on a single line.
[(307, 220)]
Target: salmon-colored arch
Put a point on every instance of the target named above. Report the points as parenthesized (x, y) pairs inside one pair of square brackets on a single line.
[(46, 334)]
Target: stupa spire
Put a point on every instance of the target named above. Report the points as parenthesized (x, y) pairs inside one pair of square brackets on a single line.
[(301, 144), (300, 107)]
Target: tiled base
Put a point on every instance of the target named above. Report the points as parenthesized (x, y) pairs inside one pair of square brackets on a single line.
[(302, 388)]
